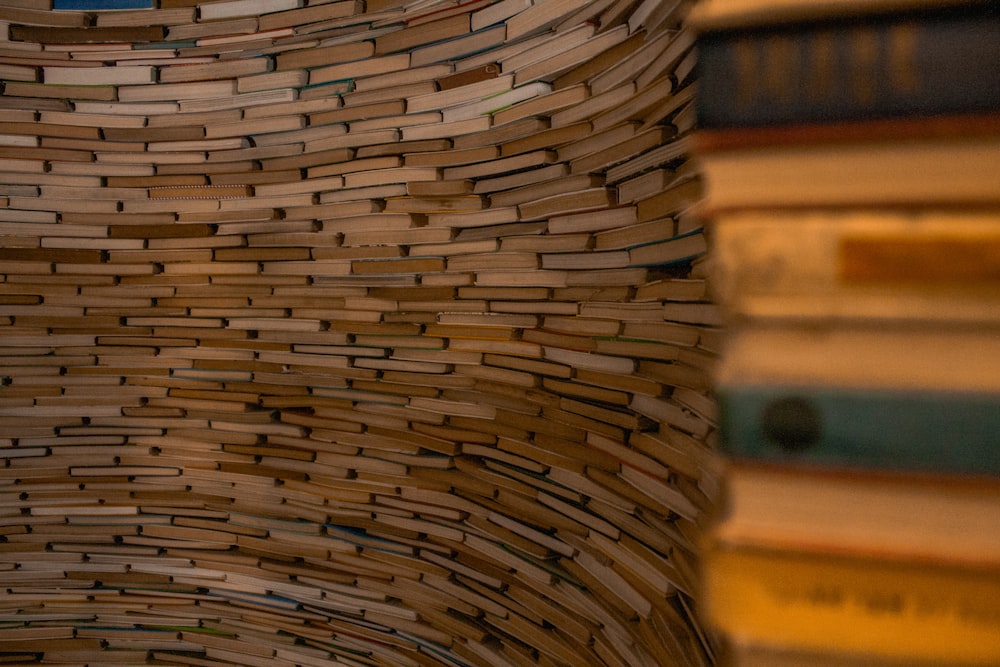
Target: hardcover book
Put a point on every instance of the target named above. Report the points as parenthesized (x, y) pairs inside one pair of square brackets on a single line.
[(858, 67)]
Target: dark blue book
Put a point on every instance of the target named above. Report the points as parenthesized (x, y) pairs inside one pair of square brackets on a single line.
[(101, 5), (897, 429), (886, 66)]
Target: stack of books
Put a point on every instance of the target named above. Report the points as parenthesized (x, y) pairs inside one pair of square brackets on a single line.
[(367, 333), (850, 153)]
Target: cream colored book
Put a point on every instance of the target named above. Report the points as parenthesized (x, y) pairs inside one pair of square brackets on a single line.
[(125, 75), (923, 171), (930, 265)]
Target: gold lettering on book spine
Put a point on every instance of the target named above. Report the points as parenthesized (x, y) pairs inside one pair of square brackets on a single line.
[(864, 55), (780, 65), (902, 45), (821, 58), (747, 62)]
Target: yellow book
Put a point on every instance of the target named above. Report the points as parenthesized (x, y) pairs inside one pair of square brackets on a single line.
[(884, 608)]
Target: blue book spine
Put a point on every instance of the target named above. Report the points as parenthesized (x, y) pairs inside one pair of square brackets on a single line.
[(867, 428), (909, 64), (101, 5)]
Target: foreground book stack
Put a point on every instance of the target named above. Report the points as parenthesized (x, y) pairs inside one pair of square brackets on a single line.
[(850, 152), (367, 333)]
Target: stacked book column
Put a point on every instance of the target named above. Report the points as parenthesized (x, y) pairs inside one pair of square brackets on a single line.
[(851, 154)]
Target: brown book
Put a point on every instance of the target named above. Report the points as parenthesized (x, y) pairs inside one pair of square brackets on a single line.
[(200, 191), (558, 66), (346, 114), (14, 89), (324, 55), (672, 153), (369, 66), (645, 185), (568, 203), (538, 18), (611, 155), (470, 76), (675, 249), (309, 15), (212, 71), (542, 105), (314, 159), (635, 234), (422, 34), (51, 34), (144, 134), (440, 188), (480, 45), (140, 17), (676, 199), (545, 139)]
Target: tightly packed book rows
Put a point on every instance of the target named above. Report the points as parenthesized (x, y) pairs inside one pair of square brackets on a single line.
[(351, 333)]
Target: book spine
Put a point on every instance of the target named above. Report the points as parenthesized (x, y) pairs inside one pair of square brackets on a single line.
[(902, 429), (901, 612), (901, 65)]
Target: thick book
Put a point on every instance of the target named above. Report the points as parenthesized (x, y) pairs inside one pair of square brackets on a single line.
[(858, 67), (45, 34), (896, 609), (903, 397), (948, 168), (927, 265)]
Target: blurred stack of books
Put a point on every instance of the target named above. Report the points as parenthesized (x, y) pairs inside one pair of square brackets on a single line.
[(850, 152)]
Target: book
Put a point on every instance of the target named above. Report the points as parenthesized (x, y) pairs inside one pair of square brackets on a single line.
[(928, 171), (853, 605), (680, 248), (928, 265), (471, 45), (227, 9), (904, 64), (892, 397), (554, 63), (369, 66), (99, 76), (45, 31), (422, 34)]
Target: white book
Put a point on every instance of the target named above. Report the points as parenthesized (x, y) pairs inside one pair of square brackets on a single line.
[(932, 265)]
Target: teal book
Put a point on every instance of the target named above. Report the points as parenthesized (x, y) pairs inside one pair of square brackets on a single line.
[(916, 63), (893, 429)]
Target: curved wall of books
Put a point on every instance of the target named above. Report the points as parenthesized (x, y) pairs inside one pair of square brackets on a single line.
[(352, 335)]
